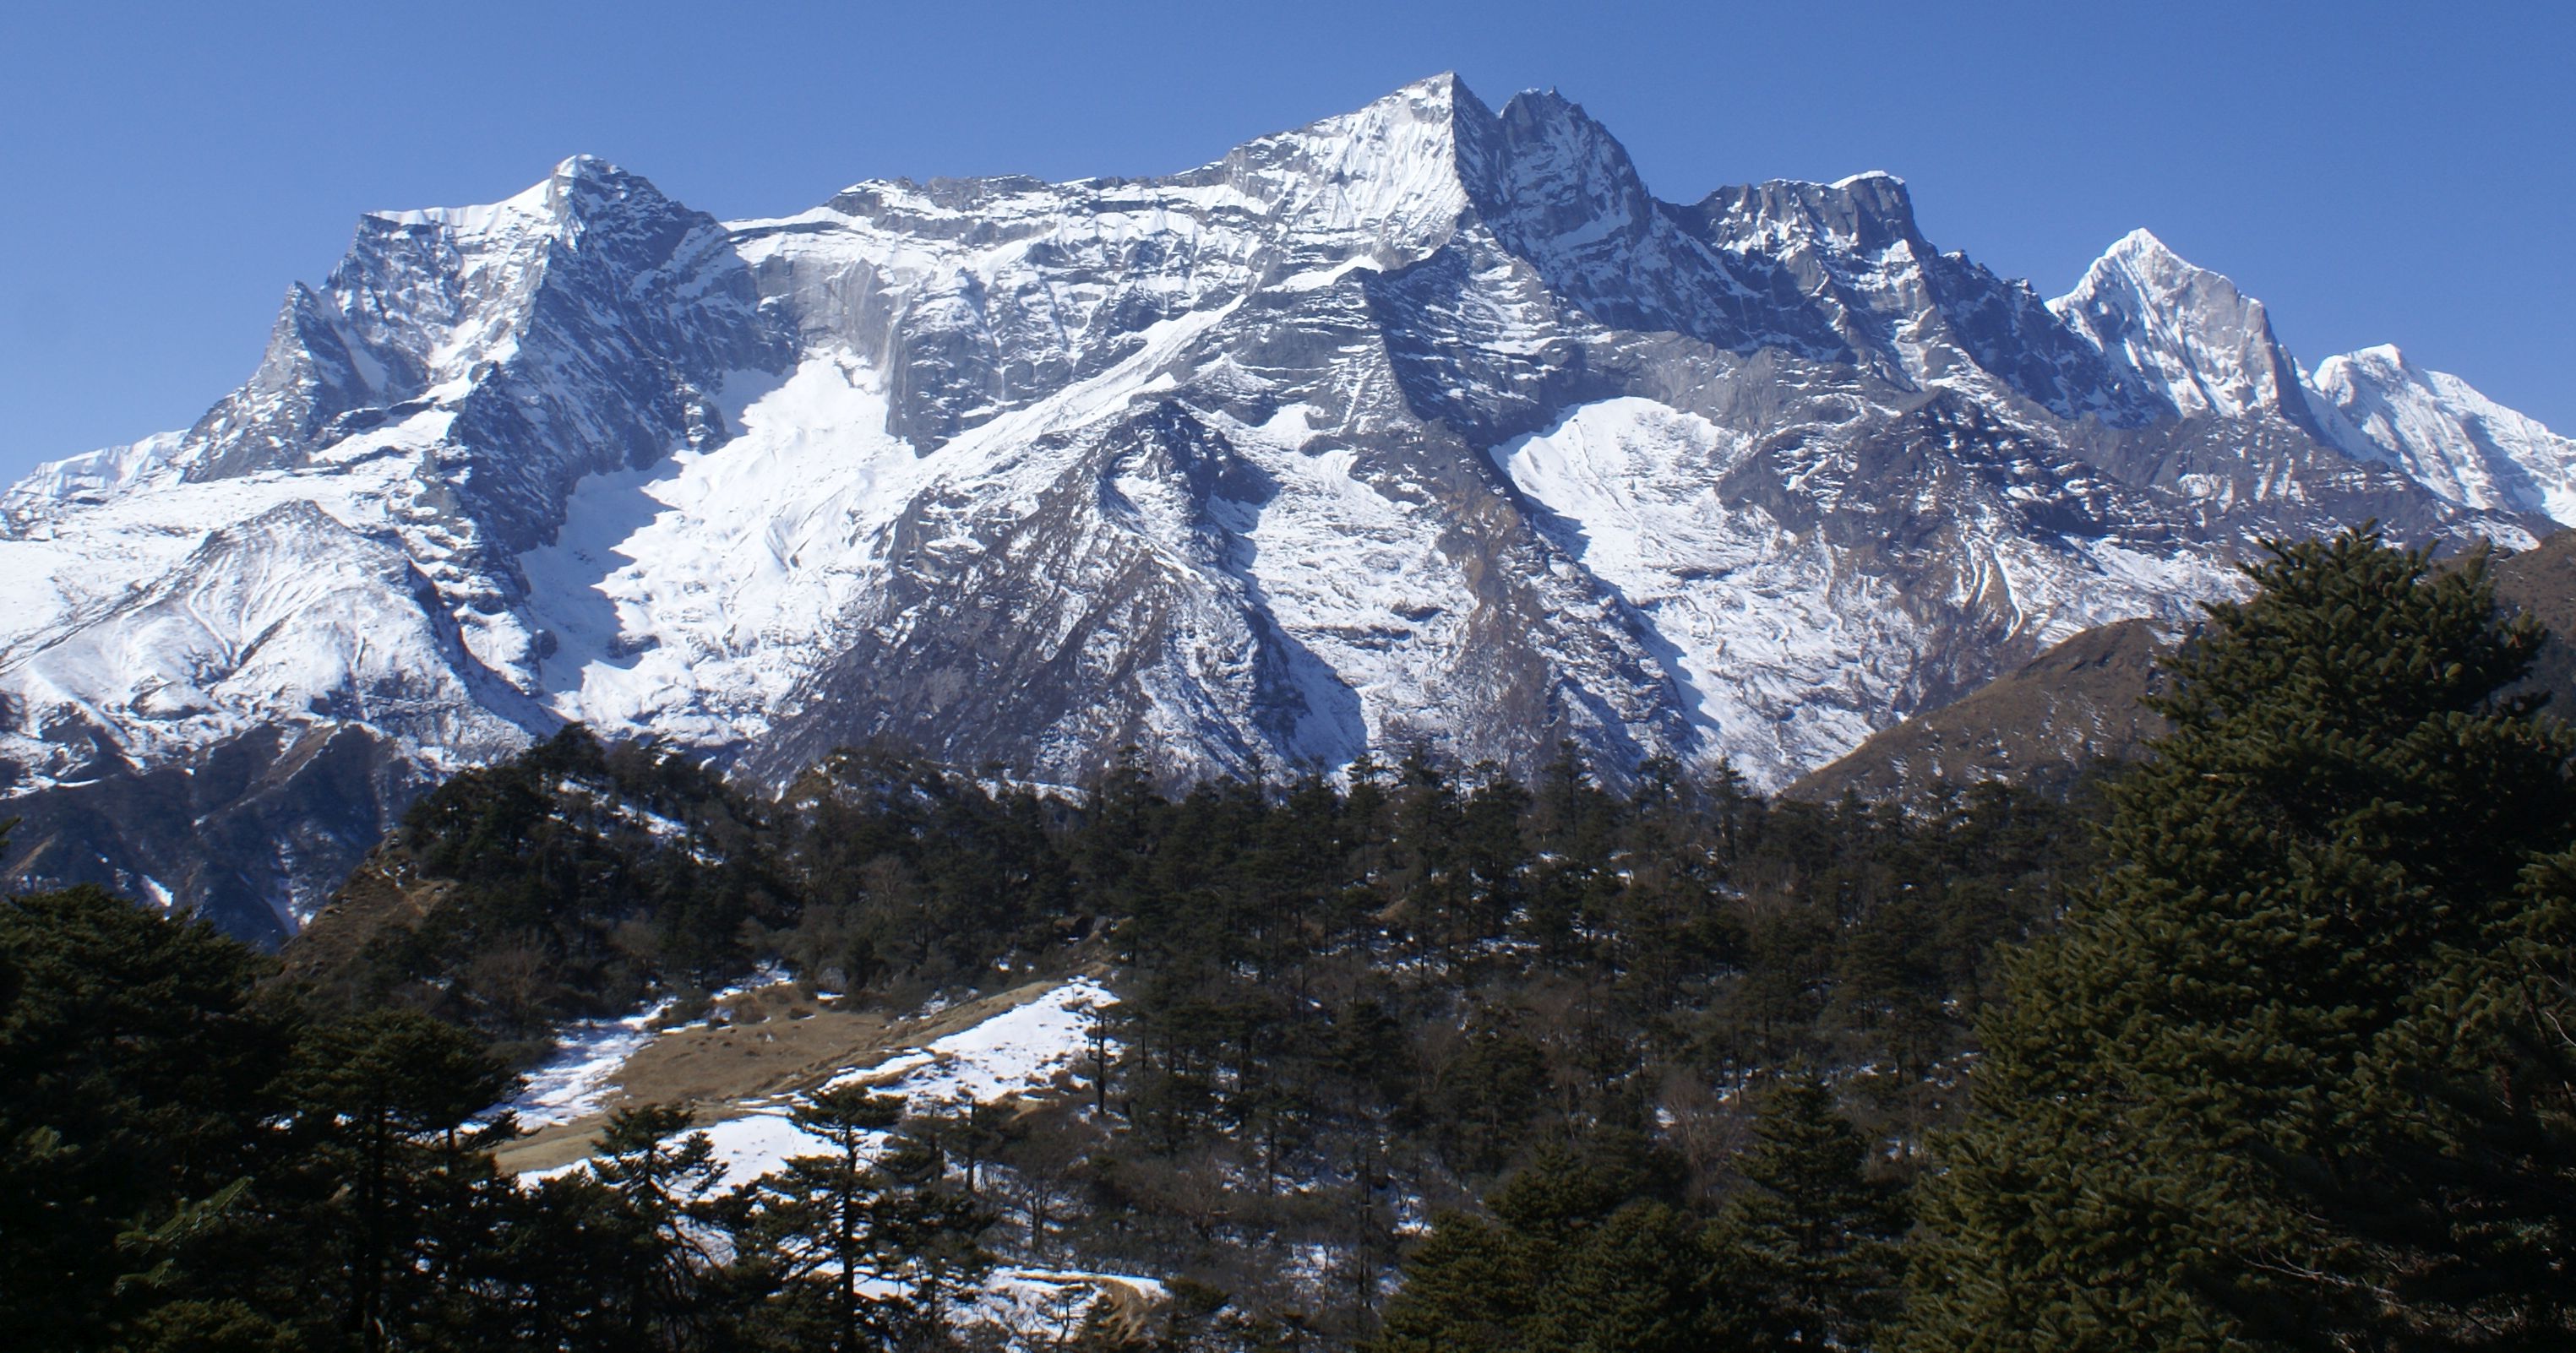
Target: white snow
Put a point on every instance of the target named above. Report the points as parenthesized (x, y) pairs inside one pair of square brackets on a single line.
[(578, 1078), (2379, 405), (1020, 1050), (1757, 623), (682, 596), (1043, 1308)]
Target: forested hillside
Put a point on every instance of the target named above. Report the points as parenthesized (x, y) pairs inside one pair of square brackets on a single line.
[(1428, 1058)]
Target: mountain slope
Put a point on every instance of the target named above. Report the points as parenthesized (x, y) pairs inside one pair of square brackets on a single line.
[(2377, 404), (2074, 706), (1425, 422), (2077, 705)]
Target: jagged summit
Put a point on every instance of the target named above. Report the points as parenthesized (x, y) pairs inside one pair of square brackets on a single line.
[(2181, 330), (579, 183), (1869, 212), (1426, 421)]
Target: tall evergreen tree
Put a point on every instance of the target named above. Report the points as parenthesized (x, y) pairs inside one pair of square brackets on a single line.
[(2460, 1205), (2342, 808), (666, 1178), (1807, 1254), (134, 1066), (380, 1125), (1584, 1251), (821, 1220)]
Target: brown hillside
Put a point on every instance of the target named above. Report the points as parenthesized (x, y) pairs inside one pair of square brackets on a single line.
[(2075, 703), (2078, 702)]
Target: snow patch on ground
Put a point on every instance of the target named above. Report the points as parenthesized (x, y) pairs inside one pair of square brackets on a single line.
[(1043, 1308), (1021, 1050), (576, 1081)]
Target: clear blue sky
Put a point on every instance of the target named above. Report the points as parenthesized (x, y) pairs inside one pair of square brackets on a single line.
[(2374, 171)]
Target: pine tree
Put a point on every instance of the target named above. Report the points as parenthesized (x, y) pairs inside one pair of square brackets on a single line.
[(382, 1103), (821, 1220), (667, 1190), (1637, 1283), (135, 1061), (1584, 1251), (931, 1230), (1807, 1252), (1471, 1287), (2460, 1206), (2341, 810)]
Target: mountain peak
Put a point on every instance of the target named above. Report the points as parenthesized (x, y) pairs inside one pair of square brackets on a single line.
[(2377, 404), (1446, 84), (2144, 244), (2187, 331), (2140, 262), (1432, 101), (1865, 212), (1547, 175), (577, 188), (584, 166)]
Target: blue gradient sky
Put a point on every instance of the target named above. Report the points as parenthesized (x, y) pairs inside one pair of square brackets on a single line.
[(2375, 172)]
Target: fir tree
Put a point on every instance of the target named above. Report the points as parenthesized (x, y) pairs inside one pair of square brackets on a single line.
[(666, 1183), (1807, 1253), (134, 1066), (1471, 1287), (1637, 1283), (382, 1103), (2460, 1205), (2341, 810), (821, 1220), (1584, 1250), (931, 1231)]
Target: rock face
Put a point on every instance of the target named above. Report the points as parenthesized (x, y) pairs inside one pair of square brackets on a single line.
[(1423, 422)]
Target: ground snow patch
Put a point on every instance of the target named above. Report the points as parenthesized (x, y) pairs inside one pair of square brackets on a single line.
[(1045, 1308), (1018, 1051), (575, 1082)]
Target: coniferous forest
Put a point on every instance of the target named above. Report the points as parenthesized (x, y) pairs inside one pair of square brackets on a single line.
[(2262, 1043)]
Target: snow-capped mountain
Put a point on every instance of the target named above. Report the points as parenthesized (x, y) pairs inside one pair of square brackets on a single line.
[(2184, 335), (1423, 422), (2378, 405)]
